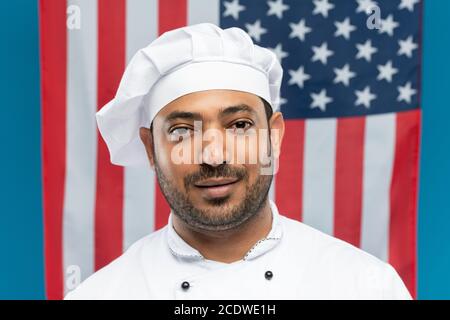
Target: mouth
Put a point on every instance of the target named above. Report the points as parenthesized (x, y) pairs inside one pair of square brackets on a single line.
[(217, 187)]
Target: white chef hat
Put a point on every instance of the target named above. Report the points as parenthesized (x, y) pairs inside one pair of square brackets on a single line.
[(185, 60)]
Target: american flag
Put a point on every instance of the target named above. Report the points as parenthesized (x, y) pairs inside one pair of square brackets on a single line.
[(351, 97)]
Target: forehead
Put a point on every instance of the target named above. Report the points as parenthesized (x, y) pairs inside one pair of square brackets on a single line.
[(211, 103)]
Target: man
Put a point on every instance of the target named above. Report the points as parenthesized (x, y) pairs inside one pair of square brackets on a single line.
[(200, 104)]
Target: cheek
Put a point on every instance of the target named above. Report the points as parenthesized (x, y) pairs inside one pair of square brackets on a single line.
[(163, 155), (253, 172), (251, 149), (173, 167), (168, 153)]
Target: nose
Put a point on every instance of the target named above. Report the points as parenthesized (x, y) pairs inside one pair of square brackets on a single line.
[(213, 155), (213, 148)]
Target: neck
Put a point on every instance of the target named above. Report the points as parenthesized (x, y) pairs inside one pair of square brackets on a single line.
[(230, 245)]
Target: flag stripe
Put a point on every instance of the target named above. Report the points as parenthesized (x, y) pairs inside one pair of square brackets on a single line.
[(378, 160), (348, 179), (402, 233), (168, 19), (318, 174), (203, 11), (138, 211), (172, 15), (52, 24), (272, 189), (81, 142), (109, 195), (289, 179)]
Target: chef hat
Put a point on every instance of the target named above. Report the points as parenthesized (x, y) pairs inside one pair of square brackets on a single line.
[(185, 60)]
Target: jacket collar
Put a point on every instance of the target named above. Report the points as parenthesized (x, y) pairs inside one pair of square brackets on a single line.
[(181, 249)]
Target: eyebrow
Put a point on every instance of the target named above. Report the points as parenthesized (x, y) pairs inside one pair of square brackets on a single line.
[(235, 109), (197, 116), (184, 115)]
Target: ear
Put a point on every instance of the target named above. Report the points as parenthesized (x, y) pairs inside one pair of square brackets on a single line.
[(276, 133), (147, 140)]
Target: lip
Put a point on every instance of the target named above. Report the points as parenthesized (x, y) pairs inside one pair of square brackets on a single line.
[(216, 188), (215, 182)]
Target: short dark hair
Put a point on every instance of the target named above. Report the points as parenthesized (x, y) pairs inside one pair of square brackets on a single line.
[(268, 109)]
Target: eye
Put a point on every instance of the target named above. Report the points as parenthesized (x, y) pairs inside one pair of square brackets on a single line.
[(241, 126), (179, 132)]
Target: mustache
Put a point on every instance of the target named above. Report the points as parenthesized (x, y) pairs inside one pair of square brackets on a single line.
[(221, 171)]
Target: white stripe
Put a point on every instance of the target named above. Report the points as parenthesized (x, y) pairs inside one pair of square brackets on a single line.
[(203, 11), (141, 24), (272, 190), (273, 185), (378, 162), (319, 168), (81, 140), (139, 182)]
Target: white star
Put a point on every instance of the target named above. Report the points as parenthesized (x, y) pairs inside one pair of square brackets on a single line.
[(298, 77), (255, 30), (365, 5), (277, 8), (344, 28), (407, 46), (386, 72), (321, 53), (365, 50), (233, 9), (408, 4), (388, 25), (322, 7), (283, 101), (320, 100), (299, 30), (344, 75), (406, 92), (278, 50), (364, 97)]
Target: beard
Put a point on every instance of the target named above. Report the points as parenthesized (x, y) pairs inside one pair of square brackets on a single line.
[(222, 215)]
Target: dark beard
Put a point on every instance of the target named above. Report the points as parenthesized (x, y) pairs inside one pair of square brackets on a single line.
[(231, 216)]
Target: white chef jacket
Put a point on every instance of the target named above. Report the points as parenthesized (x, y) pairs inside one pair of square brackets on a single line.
[(294, 261)]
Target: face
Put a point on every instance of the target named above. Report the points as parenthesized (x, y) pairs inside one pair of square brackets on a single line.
[(205, 148)]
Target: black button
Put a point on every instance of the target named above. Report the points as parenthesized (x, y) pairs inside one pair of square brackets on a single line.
[(268, 275), (185, 285)]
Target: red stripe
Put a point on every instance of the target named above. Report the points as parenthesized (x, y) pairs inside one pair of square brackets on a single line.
[(109, 195), (171, 15), (53, 80), (289, 179), (404, 189), (349, 179)]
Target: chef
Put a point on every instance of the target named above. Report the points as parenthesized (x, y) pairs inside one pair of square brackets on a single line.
[(190, 104)]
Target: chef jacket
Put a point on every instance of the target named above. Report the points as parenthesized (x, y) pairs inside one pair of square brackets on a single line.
[(294, 261)]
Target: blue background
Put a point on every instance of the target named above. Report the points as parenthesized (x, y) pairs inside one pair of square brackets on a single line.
[(434, 196), (21, 233)]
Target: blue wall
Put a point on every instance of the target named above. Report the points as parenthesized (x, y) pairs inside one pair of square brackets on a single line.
[(434, 201), (21, 239), (21, 264)]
